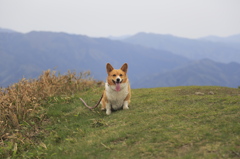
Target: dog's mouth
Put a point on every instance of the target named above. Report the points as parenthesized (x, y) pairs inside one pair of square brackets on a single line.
[(117, 83)]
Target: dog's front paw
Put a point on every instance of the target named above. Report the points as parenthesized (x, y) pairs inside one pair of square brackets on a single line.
[(108, 112), (125, 107)]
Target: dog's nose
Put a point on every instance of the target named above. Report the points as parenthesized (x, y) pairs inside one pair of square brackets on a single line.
[(118, 80)]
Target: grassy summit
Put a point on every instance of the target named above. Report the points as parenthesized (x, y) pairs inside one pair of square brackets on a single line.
[(173, 122)]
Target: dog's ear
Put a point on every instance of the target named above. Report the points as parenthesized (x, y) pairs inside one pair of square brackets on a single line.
[(124, 67), (109, 67)]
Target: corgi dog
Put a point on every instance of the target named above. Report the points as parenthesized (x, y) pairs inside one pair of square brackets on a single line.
[(117, 91)]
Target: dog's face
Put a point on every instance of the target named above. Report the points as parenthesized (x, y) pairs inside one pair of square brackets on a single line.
[(117, 77)]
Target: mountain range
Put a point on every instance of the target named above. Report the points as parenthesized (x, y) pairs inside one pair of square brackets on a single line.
[(29, 54), (215, 48), (170, 61), (203, 72)]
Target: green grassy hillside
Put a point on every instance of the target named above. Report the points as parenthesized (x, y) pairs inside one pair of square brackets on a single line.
[(174, 122)]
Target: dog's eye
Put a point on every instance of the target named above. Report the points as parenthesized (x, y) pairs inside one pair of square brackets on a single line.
[(114, 75), (121, 75)]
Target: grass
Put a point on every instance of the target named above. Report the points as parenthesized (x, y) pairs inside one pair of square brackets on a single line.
[(175, 122), (23, 107)]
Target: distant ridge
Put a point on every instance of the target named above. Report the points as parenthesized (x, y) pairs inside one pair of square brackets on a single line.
[(229, 39), (119, 37), (203, 72), (6, 30), (27, 55), (222, 50)]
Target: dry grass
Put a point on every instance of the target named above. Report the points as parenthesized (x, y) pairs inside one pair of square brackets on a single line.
[(21, 105)]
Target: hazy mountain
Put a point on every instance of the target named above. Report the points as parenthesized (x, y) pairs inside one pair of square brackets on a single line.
[(29, 54), (203, 72), (119, 37), (229, 39), (6, 30), (194, 49)]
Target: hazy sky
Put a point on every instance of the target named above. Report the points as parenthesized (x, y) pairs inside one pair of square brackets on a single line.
[(102, 18)]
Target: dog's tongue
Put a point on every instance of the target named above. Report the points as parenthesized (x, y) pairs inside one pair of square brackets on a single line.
[(117, 86)]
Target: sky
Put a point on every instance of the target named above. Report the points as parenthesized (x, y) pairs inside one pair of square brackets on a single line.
[(103, 18)]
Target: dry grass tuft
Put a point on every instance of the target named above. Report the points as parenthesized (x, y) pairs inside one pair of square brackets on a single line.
[(21, 105)]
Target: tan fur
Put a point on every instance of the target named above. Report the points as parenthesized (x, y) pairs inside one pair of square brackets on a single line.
[(114, 98)]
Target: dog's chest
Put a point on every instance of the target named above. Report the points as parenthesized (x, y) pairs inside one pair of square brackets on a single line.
[(116, 98)]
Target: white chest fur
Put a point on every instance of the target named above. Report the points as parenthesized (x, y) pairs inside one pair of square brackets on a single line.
[(116, 98)]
